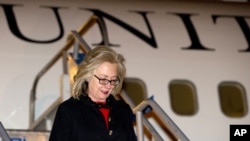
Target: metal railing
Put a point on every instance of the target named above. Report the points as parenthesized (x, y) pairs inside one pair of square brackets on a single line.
[(144, 121), (175, 131)]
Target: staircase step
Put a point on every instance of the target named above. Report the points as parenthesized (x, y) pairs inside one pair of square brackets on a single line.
[(26, 135)]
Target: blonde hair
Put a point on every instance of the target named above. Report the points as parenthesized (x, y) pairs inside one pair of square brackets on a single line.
[(92, 60)]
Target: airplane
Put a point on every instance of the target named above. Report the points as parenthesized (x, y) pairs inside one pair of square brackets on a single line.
[(190, 58)]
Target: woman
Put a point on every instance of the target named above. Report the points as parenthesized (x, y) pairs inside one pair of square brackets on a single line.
[(93, 113)]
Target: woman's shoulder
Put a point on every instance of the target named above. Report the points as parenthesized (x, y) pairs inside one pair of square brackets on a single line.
[(70, 103), (121, 103), (70, 100)]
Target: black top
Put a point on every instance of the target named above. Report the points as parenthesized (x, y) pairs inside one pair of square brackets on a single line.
[(80, 120)]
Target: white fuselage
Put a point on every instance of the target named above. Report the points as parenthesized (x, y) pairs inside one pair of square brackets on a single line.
[(168, 52)]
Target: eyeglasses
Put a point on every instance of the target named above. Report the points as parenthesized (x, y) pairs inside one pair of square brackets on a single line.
[(106, 81)]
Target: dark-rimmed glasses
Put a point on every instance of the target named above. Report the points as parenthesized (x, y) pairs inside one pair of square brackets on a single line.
[(106, 81)]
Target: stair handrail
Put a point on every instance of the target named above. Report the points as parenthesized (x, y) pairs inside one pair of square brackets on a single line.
[(73, 36), (166, 120), (145, 122)]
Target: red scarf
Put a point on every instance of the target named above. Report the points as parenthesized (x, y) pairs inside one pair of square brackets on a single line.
[(105, 113)]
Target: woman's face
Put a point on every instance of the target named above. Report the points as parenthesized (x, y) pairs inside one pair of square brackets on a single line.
[(99, 92)]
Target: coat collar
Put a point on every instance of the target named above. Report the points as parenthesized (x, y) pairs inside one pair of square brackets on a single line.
[(109, 101)]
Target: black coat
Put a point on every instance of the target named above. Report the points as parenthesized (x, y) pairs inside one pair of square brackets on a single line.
[(81, 120)]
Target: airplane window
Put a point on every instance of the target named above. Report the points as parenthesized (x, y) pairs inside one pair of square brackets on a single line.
[(136, 89), (183, 97), (232, 99)]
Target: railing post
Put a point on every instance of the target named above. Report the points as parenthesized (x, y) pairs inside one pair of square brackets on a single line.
[(139, 127)]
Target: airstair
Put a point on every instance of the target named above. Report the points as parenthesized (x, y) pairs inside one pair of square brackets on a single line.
[(39, 128)]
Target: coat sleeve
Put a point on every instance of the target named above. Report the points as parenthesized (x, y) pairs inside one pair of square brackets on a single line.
[(62, 126), (129, 123)]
